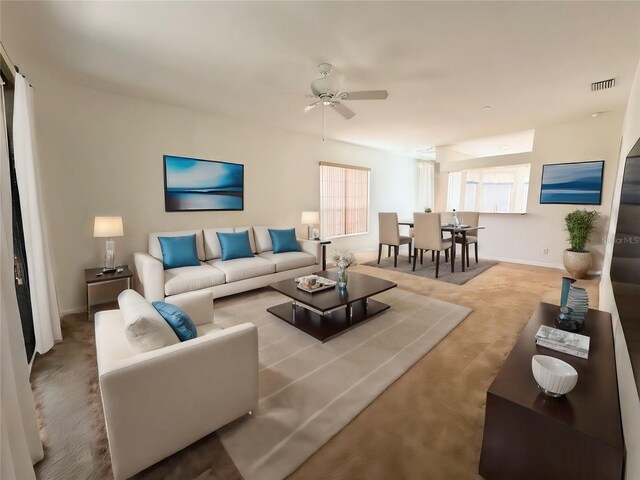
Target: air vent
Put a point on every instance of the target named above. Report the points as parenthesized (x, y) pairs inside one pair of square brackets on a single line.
[(603, 85)]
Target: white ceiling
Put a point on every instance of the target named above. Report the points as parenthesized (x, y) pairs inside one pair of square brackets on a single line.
[(441, 62), (506, 144)]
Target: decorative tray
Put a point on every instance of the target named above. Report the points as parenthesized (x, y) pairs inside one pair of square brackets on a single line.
[(321, 283)]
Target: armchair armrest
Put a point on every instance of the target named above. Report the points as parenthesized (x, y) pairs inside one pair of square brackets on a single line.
[(311, 246), (168, 398), (197, 304), (149, 276)]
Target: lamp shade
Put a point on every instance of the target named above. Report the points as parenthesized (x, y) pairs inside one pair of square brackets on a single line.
[(310, 218), (108, 227)]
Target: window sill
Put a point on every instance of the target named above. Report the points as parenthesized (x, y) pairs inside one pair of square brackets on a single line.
[(346, 236)]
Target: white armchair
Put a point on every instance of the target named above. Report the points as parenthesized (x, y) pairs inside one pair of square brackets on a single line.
[(158, 402)]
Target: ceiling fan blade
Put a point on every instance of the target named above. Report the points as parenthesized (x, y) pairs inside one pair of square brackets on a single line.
[(311, 106), (343, 110), (365, 95)]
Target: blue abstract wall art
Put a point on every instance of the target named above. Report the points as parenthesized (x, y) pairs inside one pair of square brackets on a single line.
[(191, 184), (577, 183)]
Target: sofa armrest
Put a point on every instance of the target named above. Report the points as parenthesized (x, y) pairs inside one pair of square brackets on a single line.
[(197, 304), (166, 399), (149, 276), (311, 246)]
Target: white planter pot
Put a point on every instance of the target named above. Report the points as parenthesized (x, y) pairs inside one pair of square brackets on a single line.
[(577, 263)]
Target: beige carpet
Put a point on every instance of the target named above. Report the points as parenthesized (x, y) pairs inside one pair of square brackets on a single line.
[(426, 425), (309, 390)]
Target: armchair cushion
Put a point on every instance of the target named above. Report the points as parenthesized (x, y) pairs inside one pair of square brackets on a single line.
[(146, 330), (179, 251), (179, 321)]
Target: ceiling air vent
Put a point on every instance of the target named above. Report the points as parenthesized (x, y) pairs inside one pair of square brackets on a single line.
[(603, 85)]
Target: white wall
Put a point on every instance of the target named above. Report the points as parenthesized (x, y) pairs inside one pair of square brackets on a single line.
[(629, 399), (101, 154), (522, 238)]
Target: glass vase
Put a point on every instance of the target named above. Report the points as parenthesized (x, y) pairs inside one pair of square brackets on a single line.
[(343, 277)]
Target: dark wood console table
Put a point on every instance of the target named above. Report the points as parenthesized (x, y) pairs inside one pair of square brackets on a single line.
[(528, 435)]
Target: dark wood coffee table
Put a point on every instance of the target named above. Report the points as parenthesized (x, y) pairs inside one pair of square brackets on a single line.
[(329, 313)]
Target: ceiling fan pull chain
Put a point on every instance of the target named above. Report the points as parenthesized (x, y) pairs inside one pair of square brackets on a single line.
[(323, 121)]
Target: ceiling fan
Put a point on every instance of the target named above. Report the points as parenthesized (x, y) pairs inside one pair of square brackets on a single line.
[(327, 96)]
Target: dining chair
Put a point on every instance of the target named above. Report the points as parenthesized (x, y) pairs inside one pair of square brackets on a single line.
[(472, 219), (389, 234), (428, 236)]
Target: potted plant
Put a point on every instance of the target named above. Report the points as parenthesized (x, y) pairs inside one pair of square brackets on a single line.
[(580, 224), (427, 210)]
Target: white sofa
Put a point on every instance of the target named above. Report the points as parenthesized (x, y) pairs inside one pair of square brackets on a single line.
[(158, 402), (222, 277)]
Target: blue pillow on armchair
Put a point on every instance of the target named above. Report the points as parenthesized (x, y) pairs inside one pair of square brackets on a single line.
[(179, 251), (179, 321), (284, 240), (235, 245)]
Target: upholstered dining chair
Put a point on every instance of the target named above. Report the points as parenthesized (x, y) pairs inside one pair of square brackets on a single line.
[(472, 219), (427, 236), (389, 233)]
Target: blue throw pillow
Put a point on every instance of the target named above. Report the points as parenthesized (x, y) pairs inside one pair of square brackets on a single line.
[(178, 320), (234, 245), (179, 251), (284, 240)]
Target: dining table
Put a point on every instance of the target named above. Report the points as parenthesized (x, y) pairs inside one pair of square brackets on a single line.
[(461, 230)]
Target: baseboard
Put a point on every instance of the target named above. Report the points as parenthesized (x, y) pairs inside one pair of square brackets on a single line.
[(71, 311), (533, 263)]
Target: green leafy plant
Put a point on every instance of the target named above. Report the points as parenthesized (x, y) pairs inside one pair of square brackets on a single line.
[(580, 224), (427, 210)]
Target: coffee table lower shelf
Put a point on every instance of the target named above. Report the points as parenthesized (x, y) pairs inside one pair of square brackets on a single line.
[(327, 326)]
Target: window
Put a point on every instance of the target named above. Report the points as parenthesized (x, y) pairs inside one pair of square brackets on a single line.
[(497, 189), (344, 200)]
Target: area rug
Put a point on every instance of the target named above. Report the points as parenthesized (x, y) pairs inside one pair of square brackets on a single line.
[(428, 268), (309, 391)]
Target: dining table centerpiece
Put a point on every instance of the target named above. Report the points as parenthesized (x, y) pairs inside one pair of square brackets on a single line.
[(343, 259)]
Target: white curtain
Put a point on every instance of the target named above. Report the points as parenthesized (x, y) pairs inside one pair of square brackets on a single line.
[(46, 318), (426, 185), (20, 445)]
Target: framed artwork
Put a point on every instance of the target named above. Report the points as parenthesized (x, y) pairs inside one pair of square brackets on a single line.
[(578, 183), (191, 184)]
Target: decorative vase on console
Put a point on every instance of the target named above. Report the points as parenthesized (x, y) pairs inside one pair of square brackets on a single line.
[(343, 259)]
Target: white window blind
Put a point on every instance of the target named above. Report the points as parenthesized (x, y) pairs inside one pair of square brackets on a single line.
[(344, 200), (497, 189)]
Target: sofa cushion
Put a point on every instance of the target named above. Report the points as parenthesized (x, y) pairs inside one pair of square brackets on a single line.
[(187, 279), (252, 240), (154, 245), (242, 268), (211, 244), (289, 260), (179, 321), (263, 238), (208, 328), (146, 330), (284, 240), (235, 245), (179, 251)]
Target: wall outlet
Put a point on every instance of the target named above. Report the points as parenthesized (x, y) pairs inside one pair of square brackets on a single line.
[(545, 251)]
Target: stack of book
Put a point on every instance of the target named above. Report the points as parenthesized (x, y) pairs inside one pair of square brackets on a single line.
[(578, 301), (561, 341)]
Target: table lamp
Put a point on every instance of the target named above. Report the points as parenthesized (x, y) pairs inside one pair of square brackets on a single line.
[(312, 219), (108, 227)]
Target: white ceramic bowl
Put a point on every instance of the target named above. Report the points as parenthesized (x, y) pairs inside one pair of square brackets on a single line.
[(555, 377)]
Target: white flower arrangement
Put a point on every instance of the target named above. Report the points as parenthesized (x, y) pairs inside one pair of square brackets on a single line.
[(343, 258)]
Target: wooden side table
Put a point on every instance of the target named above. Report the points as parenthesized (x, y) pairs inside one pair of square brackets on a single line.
[(324, 244), (94, 277), (530, 436)]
